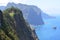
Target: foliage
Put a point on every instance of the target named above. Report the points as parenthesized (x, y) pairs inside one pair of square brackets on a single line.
[(7, 32), (11, 14), (3, 36)]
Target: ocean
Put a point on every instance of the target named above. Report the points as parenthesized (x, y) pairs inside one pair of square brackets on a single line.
[(50, 30)]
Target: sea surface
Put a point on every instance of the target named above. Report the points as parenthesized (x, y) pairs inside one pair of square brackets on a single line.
[(50, 30)]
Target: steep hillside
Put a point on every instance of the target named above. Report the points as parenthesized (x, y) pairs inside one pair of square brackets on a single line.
[(26, 8), (27, 11), (15, 27), (6, 31)]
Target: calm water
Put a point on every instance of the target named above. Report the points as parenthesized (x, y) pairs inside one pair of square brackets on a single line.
[(47, 31)]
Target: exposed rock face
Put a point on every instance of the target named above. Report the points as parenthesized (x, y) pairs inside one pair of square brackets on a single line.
[(18, 23), (31, 13), (23, 31), (34, 18), (1, 18), (28, 12)]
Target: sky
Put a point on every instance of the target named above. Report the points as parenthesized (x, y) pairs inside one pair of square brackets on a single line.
[(51, 7)]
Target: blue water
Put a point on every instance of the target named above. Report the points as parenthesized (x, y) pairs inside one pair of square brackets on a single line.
[(47, 31)]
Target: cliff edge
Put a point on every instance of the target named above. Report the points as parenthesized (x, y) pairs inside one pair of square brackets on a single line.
[(15, 27)]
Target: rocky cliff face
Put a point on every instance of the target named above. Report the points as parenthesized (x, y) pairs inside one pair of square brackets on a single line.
[(14, 18), (1, 18), (28, 11), (31, 13)]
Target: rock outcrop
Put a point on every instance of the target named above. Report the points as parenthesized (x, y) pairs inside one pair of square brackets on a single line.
[(1, 18), (14, 18), (29, 11)]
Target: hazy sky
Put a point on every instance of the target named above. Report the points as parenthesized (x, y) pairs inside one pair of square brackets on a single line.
[(51, 7)]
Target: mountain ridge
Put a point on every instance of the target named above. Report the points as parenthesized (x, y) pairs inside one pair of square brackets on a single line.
[(15, 27), (26, 9)]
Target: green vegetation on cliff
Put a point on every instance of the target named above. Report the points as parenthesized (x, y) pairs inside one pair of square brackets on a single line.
[(3, 36), (7, 32), (14, 27)]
